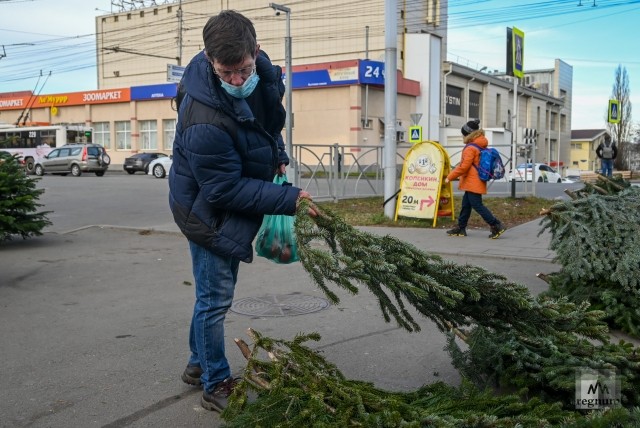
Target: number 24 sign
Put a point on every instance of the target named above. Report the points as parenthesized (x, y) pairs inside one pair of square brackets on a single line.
[(372, 72)]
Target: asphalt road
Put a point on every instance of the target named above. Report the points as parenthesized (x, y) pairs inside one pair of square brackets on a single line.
[(115, 199), (142, 200)]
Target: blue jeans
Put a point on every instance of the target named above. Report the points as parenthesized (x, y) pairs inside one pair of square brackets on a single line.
[(607, 167), (471, 201), (215, 277)]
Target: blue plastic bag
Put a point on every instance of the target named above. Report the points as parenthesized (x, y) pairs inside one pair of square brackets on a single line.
[(276, 238)]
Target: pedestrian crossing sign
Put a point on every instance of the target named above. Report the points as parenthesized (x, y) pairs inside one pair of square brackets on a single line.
[(614, 111), (415, 134)]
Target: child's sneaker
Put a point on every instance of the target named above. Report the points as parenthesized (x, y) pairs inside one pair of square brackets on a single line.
[(457, 231), (497, 230)]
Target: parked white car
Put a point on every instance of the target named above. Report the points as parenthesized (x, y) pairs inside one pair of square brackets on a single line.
[(160, 167), (542, 172)]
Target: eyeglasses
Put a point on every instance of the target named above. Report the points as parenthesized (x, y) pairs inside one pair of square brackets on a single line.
[(245, 73)]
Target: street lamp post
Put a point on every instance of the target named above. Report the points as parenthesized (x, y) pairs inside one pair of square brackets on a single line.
[(288, 86), (559, 136)]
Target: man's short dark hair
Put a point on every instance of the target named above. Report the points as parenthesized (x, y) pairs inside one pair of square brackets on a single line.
[(229, 37)]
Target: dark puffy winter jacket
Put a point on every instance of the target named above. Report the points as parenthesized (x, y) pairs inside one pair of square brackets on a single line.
[(224, 161)]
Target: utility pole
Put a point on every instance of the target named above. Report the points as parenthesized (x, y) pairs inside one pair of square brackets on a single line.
[(514, 127), (180, 33), (390, 96), (559, 138), (288, 87), (365, 121)]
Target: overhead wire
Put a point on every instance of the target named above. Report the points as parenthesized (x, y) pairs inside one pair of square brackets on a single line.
[(317, 23)]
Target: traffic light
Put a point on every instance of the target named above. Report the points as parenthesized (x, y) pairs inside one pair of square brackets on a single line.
[(530, 136)]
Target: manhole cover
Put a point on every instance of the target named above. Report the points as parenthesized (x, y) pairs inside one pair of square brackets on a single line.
[(279, 305)]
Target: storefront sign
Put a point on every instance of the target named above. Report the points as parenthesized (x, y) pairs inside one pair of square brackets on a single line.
[(13, 103), (331, 77), (104, 96), (453, 100), (366, 73), (151, 92)]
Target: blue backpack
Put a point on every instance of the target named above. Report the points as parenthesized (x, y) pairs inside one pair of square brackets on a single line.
[(491, 166)]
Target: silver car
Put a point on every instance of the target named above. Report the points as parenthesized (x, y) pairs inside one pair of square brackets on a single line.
[(74, 159)]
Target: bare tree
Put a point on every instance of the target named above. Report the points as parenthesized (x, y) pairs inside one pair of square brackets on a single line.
[(621, 131), (634, 148)]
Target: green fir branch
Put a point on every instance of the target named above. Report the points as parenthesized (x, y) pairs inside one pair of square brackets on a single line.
[(19, 202)]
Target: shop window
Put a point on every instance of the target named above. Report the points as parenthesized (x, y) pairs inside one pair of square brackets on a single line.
[(102, 134), (123, 135), (149, 134), (168, 133)]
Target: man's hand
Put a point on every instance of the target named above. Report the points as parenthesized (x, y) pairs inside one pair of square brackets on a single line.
[(446, 181), (306, 195)]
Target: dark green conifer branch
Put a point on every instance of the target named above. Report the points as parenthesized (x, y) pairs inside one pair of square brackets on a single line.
[(451, 295), (302, 389), (19, 202), (512, 340), (597, 241)]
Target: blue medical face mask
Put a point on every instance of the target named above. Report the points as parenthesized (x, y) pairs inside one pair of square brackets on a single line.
[(243, 91)]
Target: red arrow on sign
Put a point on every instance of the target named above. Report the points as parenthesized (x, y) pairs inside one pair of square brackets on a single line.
[(429, 202)]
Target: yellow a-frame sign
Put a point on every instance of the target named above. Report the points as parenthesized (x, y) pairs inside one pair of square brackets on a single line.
[(423, 193)]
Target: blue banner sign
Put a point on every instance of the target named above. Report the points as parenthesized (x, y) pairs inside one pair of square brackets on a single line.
[(366, 73), (164, 90), (330, 77)]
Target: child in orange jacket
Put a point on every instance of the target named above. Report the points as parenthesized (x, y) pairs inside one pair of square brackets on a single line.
[(470, 182)]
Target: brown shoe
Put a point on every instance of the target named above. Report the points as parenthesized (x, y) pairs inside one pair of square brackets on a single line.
[(191, 375), (217, 399)]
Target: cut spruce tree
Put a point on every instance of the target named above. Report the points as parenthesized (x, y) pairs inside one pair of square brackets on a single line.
[(298, 387), (500, 338), (596, 237), (19, 205)]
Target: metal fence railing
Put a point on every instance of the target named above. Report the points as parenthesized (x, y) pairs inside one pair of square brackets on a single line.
[(333, 171)]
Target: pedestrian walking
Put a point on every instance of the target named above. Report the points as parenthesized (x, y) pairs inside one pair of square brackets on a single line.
[(470, 182)]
